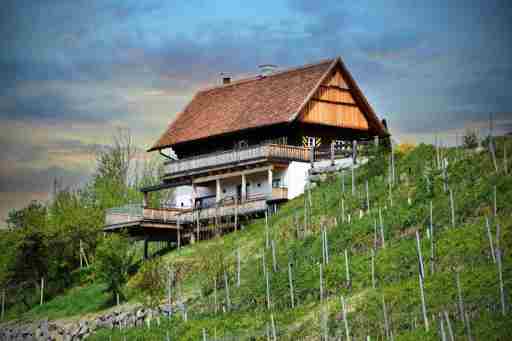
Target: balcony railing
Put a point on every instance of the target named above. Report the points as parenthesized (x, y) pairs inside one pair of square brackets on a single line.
[(279, 193), (136, 214), (233, 157)]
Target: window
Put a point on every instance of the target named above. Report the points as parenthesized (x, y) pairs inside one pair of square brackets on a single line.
[(311, 141), (241, 144), (276, 183)]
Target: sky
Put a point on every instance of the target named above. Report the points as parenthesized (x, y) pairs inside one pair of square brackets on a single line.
[(74, 72)]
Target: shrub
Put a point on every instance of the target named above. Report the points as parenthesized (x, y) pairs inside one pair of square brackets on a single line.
[(150, 283), (114, 256)]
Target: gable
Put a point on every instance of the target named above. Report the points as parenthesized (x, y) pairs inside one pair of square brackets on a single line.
[(333, 104), (321, 93)]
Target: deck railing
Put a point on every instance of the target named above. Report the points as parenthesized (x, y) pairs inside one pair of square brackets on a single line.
[(132, 214), (124, 214), (232, 157)]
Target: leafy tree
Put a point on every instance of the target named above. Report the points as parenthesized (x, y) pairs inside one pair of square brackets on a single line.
[(470, 139), (32, 215), (114, 256), (26, 261)]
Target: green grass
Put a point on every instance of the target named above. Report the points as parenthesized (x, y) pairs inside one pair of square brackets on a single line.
[(74, 302), (463, 248)]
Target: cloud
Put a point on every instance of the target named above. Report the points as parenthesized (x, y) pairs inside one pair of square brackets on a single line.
[(74, 71)]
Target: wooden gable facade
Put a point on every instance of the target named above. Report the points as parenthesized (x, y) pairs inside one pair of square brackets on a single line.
[(333, 104)]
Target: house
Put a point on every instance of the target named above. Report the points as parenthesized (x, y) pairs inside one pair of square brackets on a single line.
[(241, 147)]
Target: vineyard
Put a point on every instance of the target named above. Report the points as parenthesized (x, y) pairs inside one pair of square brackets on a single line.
[(414, 245)]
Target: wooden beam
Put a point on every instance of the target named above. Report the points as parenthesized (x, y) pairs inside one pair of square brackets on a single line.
[(230, 175), (335, 102), (337, 87)]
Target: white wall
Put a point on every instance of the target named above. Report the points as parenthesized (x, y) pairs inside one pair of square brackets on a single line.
[(293, 177)]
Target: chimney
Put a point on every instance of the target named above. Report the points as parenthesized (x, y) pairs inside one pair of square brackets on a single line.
[(267, 69), (226, 78)]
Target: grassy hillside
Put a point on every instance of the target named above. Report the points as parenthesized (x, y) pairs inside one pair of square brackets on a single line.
[(461, 249)]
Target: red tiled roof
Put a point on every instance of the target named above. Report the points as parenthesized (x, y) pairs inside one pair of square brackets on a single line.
[(254, 102), (248, 103)]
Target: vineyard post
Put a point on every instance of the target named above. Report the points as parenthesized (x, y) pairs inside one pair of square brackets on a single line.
[(274, 260), (353, 180), (215, 294), (179, 232), (441, 326), (321, 284), (432, 240), (489, 236), (80, 253), (266, 281), (367, 196), (449, 325), (226, 285), (445, 177), (420, 257), (393, 172), (326, 245), (423, 303), (3, 304), (386, 321), (267, 237), (290, 280), (492, 151), (375, 235), (505, 161), (343, 181), (498, 235), (347, 269), (462, 312), (373, 268), (342, 210), (42, 291), (452, 208), (238, 267), (344, 308), (500, 276), (382, 236), (273, 324), (495, 196), (468, 324)]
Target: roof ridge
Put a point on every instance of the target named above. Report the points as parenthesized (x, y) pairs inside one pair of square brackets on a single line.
[(277, 73)]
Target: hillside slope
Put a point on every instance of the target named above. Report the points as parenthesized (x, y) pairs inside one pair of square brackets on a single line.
[(332, 247)]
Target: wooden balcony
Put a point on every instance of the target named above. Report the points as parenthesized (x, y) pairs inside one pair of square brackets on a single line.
[(136, 215), (279, 194), (236, 157)]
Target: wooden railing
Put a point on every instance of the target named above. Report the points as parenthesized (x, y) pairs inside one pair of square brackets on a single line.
[(233, 157), (124, 215), (279, 193)]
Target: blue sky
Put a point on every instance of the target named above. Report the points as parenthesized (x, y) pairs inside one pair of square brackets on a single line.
[(74, 71)]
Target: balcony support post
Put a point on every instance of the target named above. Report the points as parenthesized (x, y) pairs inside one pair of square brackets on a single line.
[(145, 199), (146, 248), (270, 182), (218, 191), (354, 152), (244, 189), (312, 156), (194, 195), (332, 153)]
